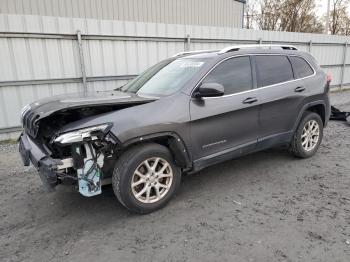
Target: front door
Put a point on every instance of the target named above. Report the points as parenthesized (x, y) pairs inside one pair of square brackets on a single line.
[(226, 123)]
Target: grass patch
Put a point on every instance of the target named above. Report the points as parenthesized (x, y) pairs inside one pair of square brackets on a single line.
[(8, 141), (337, 89)]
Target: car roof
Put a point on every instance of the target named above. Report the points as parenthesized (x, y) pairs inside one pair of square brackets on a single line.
[(240, 50), (217, 55)]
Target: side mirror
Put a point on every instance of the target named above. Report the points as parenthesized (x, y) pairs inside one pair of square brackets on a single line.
[(209, 90)]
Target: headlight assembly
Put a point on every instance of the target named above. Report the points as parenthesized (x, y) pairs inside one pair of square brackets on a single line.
[(80, 134)]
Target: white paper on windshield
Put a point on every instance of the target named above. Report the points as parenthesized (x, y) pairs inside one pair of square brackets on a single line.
[(191, 64)]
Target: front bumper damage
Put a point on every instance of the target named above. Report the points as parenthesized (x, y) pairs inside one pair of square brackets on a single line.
[(84, 167), (37, 155)]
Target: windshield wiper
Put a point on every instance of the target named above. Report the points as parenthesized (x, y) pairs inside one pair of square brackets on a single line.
[(119, 88)]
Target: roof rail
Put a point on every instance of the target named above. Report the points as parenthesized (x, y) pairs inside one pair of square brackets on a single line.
[(243, 47), (194, 52)]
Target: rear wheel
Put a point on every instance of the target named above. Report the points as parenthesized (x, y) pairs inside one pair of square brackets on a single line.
[(145, 178), (308, 136)]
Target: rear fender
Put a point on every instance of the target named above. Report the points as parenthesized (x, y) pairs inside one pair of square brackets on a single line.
[(306, 107)]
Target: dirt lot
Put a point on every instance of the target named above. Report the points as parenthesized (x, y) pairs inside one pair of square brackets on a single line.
[(264, 207)]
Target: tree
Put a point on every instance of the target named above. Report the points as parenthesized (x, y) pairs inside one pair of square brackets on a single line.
[(284, 15), (299, 16), (339, 23), (270, 14), (250, 13)]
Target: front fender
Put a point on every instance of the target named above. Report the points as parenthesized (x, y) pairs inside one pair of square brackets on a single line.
[(171, 140)]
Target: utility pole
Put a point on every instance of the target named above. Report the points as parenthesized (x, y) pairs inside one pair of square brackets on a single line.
[(327, 16)]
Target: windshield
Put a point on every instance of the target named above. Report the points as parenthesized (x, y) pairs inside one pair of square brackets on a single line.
[(165, 78)]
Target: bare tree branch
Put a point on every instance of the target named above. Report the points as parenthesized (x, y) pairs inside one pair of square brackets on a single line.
[(284, 15), (339, 22)]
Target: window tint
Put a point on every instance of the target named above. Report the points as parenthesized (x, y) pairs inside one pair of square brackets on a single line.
[(273, 69), (234, 74), (301, 67)]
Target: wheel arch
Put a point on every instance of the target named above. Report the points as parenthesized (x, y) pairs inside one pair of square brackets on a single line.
[(318, 107), (170, 140), (320, 110)]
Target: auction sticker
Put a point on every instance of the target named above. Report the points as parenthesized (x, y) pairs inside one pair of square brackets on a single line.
[(191, 64)]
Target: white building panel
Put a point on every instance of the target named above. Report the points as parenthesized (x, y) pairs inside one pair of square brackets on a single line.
[(114, 48)]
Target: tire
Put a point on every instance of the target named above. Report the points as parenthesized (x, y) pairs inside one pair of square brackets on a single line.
[(299, 145), (129, 168)]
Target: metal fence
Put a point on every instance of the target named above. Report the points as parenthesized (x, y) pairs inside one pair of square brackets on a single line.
[(45, 56)]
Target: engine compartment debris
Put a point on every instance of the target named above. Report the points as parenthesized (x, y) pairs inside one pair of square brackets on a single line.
[(90, 174)]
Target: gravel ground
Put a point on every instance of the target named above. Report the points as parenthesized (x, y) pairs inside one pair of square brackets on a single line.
[(267, 206)]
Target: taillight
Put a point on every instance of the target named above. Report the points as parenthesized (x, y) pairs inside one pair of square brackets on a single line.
[(328, 83), (329, 78)]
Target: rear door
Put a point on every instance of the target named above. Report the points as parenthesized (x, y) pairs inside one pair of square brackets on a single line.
[(281, 96), (222, 124)]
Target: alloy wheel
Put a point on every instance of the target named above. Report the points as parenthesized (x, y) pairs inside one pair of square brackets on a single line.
[(152, 180), (310, 135)]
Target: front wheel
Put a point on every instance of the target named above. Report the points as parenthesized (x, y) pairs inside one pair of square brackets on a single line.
[(308, 136), (145, 178)]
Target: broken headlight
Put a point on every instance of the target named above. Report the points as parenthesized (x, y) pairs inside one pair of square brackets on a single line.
[(81, 134)]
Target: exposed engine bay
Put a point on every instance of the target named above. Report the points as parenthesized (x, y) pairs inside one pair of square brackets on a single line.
[(48, 126), (84, 157), (86, 165)]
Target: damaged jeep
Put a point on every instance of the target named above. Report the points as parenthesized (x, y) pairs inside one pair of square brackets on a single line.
[(183, 114)]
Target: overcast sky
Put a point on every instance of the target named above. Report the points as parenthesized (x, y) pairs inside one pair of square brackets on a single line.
[(322, 7)]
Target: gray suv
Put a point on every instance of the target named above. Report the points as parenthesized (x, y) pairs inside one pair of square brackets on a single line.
[(185, 113)]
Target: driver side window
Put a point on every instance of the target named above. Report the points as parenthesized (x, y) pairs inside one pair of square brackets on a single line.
[(235, 74)]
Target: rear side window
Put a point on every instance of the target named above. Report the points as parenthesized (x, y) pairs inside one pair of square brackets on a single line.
[(273, 69), (234, 74), (301, 67)]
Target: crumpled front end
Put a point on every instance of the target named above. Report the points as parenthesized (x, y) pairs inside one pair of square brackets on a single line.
[(33, 153), (58, 141), (78, 157)]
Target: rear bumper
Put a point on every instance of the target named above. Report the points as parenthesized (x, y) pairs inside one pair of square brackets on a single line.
[(33, 153)]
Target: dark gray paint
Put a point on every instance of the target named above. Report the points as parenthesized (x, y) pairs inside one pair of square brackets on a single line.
[(213, 129)]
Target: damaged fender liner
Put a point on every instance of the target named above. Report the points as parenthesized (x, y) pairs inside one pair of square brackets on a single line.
[(31, 152)]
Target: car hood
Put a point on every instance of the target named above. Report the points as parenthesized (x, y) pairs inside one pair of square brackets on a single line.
[(47, 106)]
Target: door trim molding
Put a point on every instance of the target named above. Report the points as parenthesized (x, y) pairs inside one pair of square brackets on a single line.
[(224, 155)]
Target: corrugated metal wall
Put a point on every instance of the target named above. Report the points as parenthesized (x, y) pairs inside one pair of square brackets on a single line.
[(194, 12), (42, 58)]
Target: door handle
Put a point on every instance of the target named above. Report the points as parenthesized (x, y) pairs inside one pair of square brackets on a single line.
[(299, 89), (250, 100)]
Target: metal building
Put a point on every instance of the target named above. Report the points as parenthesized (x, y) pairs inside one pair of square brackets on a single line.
[(224, 13), (52, 47)]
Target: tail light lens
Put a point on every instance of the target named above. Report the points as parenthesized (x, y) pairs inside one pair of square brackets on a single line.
[(329, 78)]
